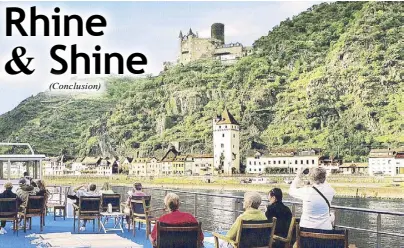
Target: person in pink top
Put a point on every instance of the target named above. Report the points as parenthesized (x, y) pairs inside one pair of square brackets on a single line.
[(175, 216), (136, 191)]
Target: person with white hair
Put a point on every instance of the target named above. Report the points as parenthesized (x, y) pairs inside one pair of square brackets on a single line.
[(252, 201), (316, 198), (172, 203)]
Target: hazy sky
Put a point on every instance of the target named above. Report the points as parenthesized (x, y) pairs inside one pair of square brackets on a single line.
[(150, 28)]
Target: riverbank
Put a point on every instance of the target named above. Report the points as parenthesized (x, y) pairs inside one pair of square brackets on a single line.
[(362, 187)]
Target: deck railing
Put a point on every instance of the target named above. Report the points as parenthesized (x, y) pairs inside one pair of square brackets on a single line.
[(237, 209)]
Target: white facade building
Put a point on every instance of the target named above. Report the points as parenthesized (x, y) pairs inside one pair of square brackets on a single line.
[(199, 164), (386, 162), (153, 167), (138, 166), (226, 143), (104, 168), (286, 162), (54, 167)]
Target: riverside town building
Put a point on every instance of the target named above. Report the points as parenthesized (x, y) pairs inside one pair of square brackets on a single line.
[(226, 159), (386, 162)]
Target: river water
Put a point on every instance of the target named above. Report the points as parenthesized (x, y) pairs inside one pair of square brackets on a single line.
[(215, 215)]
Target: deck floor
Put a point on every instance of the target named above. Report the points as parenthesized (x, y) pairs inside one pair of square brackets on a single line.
[(11, 240)]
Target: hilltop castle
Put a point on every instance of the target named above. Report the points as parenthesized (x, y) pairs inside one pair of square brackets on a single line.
[(192, 47)]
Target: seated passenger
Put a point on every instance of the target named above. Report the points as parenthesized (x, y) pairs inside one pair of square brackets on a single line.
[(252, 201), (316, 199), (7, 193), (106, 189), (172, 202), (136, 191), (282, 213), (28, 179), (85, 191), (24, 191), (41, 189)]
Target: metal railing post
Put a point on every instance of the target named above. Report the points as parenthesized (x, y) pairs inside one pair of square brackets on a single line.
[(336, 215), (293, 209), (60, 194), (195, 205), (235, 207), (379, 228)]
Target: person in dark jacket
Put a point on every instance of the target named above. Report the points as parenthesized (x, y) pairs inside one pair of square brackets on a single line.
[(24, 191), (282, 213), (7, 193)]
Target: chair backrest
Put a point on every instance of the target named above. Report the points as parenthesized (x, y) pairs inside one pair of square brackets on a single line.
[(139, 204), (291, 228), (113, 199), (317, 238), (35, 204), (254, 234), (8, 207), (178, 235), (89, 204)]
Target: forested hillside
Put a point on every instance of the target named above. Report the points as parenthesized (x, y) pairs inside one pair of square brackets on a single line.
[(331, 77)]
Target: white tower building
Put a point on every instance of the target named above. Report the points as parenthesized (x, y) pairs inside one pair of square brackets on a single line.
[(226, 143)]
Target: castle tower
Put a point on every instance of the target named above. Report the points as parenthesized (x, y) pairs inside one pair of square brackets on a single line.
[(226, 143), (217, 31)]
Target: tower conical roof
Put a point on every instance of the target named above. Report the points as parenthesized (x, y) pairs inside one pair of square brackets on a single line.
[(180, 35), (227, 118), (190, 32)]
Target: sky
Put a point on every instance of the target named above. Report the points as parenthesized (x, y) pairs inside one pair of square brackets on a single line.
[(151, 28)]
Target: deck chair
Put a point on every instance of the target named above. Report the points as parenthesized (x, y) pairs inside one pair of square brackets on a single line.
[(141, 212), (113, 199), (286, 242), (35, 208), (9, 211), (179, 236), (88, 209), (61, 205), (317, 238), (252, 234)]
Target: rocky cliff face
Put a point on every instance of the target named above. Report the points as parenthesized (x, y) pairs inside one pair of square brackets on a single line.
[(331, 77)]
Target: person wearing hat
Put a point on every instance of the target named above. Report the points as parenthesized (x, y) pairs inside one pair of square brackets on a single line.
[(7, 193), (24, 190)]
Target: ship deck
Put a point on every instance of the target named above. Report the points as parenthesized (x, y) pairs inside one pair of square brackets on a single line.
[(12, 240)]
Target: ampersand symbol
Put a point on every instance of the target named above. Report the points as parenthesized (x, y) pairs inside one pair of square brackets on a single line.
[(16, 59)]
